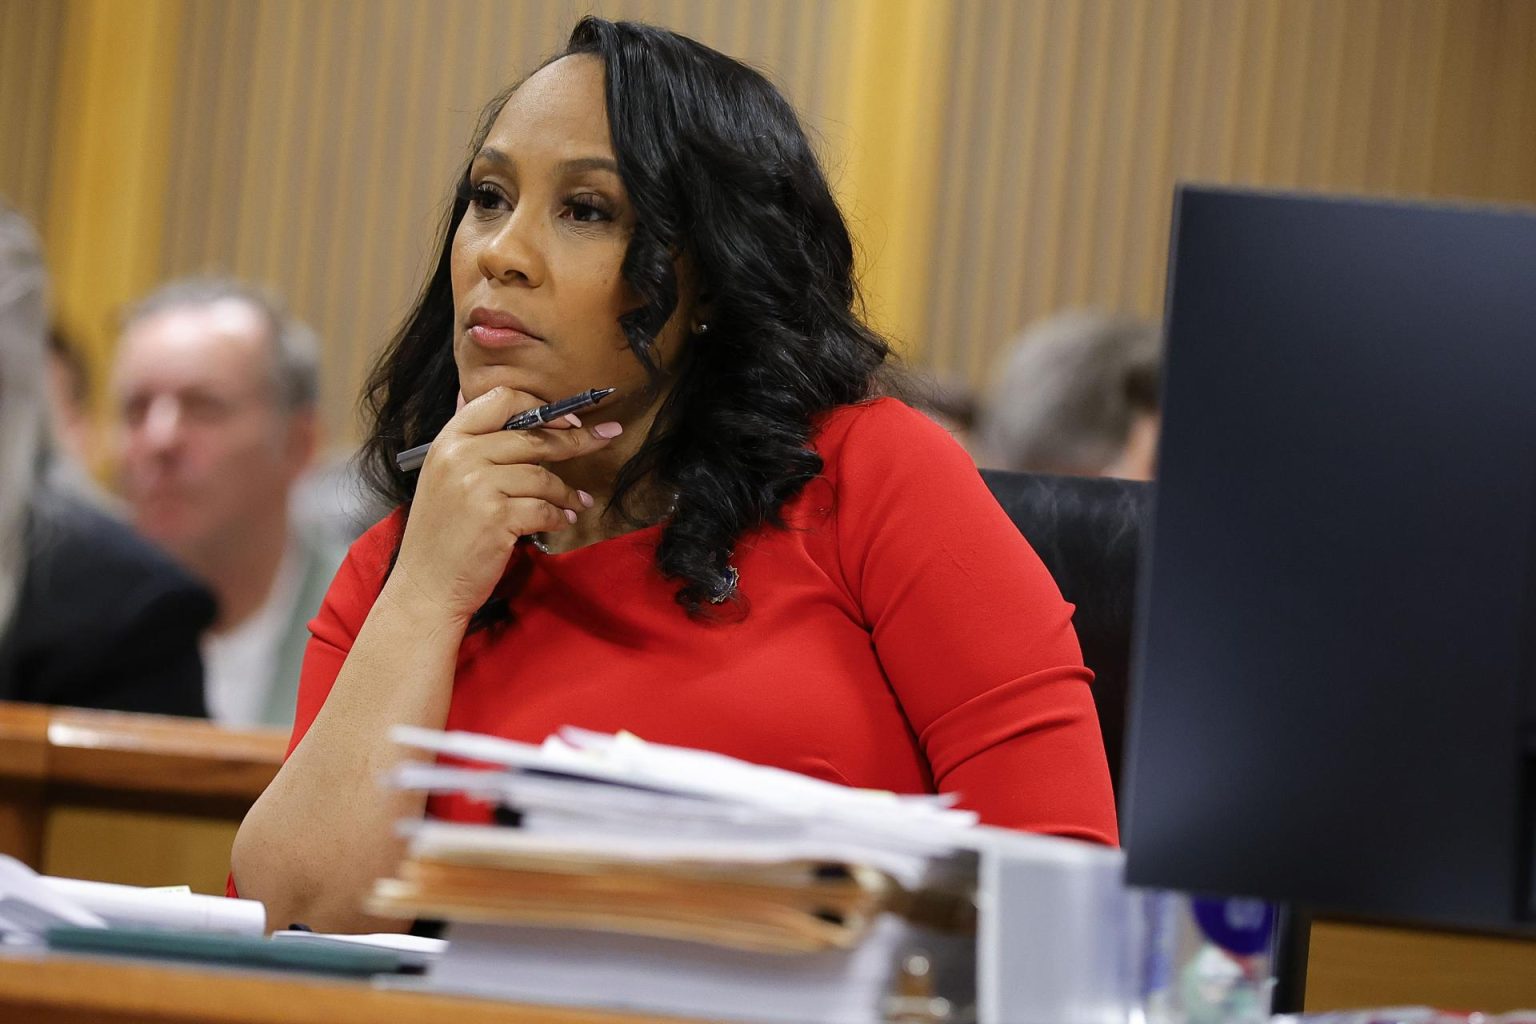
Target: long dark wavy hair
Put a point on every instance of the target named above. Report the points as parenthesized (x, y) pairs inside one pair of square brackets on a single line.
[(718, 168)]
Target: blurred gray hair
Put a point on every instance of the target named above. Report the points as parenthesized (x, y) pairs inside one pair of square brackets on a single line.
[(23, 413), (1060, 401), (294, 347)]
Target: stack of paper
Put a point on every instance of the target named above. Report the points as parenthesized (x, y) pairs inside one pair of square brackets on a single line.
[(31, 904), (674, 881)]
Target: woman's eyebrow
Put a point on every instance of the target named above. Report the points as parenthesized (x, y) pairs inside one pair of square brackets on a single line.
[(590, 163), (574, 165), (495, 156)]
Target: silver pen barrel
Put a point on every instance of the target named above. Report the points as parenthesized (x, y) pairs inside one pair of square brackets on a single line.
[(411, 459)]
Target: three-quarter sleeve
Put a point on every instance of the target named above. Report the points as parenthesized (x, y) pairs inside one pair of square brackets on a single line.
[(970, 629)]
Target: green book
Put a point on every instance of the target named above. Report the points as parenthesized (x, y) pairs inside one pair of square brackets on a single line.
[(240, 950)]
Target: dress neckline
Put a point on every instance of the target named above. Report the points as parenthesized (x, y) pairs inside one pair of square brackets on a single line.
[(534, 547)]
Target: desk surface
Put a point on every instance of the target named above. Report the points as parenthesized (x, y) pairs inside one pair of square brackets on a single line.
[(48, 989), (98, 792)]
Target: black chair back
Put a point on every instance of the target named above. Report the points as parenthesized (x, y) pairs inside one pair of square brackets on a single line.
[(1087, 531)]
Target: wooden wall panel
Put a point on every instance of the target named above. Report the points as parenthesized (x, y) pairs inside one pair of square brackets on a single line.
[(1065, 149), (313, 145), (30, 34), (109, 161)]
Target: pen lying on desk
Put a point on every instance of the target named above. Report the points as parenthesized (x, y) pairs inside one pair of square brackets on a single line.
[(412, 458)]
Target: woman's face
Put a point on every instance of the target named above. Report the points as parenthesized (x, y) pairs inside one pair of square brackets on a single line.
[(537, 291)]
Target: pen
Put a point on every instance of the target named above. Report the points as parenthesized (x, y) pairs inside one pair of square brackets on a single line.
[(412, 458)]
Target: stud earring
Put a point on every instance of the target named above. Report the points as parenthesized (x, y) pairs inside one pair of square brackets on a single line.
[(702, 328)]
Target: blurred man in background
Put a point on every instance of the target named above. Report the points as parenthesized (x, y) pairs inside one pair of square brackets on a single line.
[(1076, 394), (214, 388)]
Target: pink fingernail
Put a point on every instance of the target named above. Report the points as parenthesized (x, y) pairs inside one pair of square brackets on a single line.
[(569, 514), (586, 499), (607, 431), (572, 419)]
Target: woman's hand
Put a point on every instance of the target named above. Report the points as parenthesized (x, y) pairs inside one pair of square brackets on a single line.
[(481, 488)]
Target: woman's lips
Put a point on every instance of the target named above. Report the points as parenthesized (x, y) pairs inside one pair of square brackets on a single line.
[(497, 328), (500, 337)]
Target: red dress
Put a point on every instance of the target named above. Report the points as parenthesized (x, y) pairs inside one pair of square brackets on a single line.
[(900, 635)]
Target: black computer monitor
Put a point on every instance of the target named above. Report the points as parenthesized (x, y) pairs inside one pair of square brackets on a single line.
[(1334, 701)]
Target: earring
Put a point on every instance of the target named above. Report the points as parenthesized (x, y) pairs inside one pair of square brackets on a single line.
[(702, 328)]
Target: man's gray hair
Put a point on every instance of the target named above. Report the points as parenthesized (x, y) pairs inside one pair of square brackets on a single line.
[(1060, 401), (295, 348), (23, 413)]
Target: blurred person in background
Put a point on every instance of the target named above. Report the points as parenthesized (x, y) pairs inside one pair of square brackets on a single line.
[(69, 398), (333, 503), (214, 388), (1143, 397), (75, 437), (1076, 394), (90, 615)]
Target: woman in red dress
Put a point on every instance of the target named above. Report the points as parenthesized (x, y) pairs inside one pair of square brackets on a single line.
[(745, 548)]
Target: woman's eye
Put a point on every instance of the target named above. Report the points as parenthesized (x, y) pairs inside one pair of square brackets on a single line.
[(487, 197), (588, 209)]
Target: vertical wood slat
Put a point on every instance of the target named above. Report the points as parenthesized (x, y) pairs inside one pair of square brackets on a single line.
[(1519, 84), (375, 169), (1058, 146), (15, 99), (982, 224), (947, 282), (45, 55), (223, 175), (1154, 215), (1333, 35), (1286, 129), (31, 37), (310, 200), (1362, 25), (345, 260), (183, 229), (297, 34), (252, 191), (1235, 76), (1111, 289), (1095, 126)]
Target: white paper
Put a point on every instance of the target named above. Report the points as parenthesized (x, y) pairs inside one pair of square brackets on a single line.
[(129, 906), (841, 986), (28, 907), (414, 950), (444, 839), (629, 761)]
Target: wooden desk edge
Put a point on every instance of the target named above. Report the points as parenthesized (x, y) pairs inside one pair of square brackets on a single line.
[(112, 989), (120, 752)]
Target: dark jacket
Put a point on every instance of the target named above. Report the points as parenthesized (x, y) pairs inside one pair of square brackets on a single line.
[(104, 619)]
